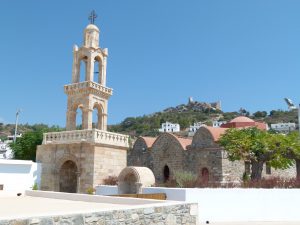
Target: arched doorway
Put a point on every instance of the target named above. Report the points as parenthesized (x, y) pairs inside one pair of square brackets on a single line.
[(68, 177), (166, 173), (204, 175)]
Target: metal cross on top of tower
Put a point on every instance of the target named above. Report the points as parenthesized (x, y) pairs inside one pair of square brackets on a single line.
[(92, 17)]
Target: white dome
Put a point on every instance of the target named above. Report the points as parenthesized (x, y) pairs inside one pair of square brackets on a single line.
[(92, 27)]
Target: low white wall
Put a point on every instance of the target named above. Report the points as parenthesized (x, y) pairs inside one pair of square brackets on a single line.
[(106, 190), (94, 198), (173, 194), (235, 204), (246, 204), (19, 175)]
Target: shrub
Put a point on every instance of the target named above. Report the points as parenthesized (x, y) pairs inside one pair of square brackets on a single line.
[(110, 180), (185, 179), (35, 187), (90, 190), (273, 182)]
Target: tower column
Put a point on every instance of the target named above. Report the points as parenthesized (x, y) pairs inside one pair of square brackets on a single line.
[(87, 122), (71, 120), (76, 68), (104, 121), (103, 72), (90, 68)]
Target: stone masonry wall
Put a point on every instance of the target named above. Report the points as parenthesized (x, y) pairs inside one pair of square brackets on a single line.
[(183, 214), (167, 151), (197, 159), (52, 157), (140, 155), (108, 162), (93, 162)]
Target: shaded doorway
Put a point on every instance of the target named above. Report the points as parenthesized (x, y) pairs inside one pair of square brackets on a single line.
[(166, 173), (205, 175), (68, 177)]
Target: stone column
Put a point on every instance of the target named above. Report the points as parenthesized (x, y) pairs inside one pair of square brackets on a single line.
[(76, 68), (103, 72), (87, 119), (100, 75), (99, 122), (104, 121), (90, 69), (71, 120)]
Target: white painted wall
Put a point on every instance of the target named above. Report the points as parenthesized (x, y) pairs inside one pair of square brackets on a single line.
[(246, 204), (19, 175), (106, 190), (237, 204)]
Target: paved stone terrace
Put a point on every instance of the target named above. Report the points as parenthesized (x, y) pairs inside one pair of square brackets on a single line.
[(41, 211)]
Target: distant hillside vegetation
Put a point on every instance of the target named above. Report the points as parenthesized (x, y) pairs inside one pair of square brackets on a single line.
[(148, 125)]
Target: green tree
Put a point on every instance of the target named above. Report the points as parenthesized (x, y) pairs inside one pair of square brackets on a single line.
[(291, 148), (255, 147), (260, 114), (25, 147)]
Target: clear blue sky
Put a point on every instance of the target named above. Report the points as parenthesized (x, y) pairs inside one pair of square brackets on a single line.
[(244, 53)]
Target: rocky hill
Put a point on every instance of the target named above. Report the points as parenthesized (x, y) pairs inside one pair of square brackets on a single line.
[(194, 106)]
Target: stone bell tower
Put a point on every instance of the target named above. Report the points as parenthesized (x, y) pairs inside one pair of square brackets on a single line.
[(76, 160), (92, 92)]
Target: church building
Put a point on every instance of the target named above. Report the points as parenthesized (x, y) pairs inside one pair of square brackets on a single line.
[(201, 154)]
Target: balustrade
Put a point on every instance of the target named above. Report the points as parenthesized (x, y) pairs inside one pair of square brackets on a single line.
[(88, 84), (94, 136)]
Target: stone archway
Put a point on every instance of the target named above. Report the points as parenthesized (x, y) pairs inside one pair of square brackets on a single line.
[(68, 177), (133, 178)]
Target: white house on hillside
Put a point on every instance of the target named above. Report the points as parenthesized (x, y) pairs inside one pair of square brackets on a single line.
[(5, 150), (218, 123), (194, 128), (169, 127), (283, 127)]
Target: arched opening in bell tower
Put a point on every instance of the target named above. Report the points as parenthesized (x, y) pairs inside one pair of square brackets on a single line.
[(83, 69), (98, 70), (97, 116), (79, 118)]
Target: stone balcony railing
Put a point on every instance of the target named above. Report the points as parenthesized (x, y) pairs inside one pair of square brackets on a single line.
[(87, 85), (92, 136)]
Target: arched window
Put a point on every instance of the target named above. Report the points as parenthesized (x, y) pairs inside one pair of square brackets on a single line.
[(79, 118), (97, 116), (98, 70), (166, 173), (83, 69)]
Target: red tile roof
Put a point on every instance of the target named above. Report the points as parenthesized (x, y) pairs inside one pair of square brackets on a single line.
[(149, 141), (184, 142), (241, 119), (216, 132)]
